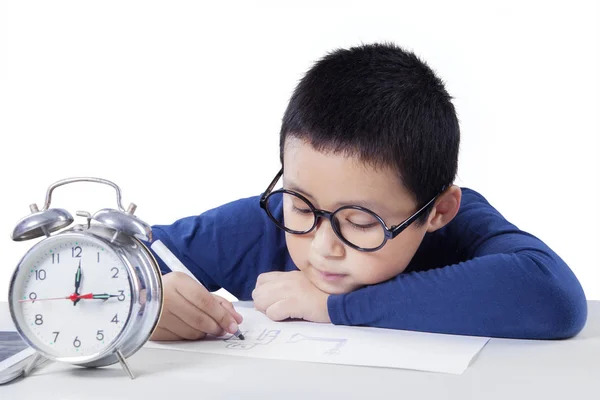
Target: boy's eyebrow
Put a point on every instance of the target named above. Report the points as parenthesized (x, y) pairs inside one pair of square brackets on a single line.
[(292, 186), (375, 207)]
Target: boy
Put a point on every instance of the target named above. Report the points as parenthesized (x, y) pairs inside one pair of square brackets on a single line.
[(369, 228)]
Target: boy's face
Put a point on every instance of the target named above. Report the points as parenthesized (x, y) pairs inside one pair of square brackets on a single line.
[(330, 181)]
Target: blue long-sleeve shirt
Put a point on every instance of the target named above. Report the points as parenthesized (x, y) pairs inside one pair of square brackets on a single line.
[(478, 275)]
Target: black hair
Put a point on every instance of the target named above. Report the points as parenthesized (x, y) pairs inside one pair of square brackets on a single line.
[(382, 104)]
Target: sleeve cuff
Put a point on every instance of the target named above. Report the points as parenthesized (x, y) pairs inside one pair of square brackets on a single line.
[(337, 309)]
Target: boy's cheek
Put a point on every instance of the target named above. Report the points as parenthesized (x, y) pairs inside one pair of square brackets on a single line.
[(298, 248), (373, 268), (391, 260)]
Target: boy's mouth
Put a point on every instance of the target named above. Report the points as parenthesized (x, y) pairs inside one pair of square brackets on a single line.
[(328, 276)]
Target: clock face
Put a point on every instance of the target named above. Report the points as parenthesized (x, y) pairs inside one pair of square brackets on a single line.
[(71, 296)]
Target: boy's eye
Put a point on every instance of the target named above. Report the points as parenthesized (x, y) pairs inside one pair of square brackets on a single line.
[(302, 210), (362, 226)]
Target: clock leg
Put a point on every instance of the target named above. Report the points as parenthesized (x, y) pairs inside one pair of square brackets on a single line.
[(37, 360), (124, 364)]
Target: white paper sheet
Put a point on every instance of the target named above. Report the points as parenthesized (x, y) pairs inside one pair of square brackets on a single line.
[(327, 343)]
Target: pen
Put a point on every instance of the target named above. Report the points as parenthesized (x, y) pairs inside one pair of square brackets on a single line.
[(175, 265)]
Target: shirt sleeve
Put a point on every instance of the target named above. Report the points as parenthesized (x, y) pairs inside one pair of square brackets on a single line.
[(509, 284), (226, 247)]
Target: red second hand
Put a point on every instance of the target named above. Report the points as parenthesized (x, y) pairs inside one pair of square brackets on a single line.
[(72, 297), (50, 298)]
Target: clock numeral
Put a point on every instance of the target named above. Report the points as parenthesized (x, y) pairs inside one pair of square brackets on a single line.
[(76, 251), (98, 256), (32, 296), (121, 295), (40, 275), (115, 319), (76, 342), (55, 336), (100, 335), (39, 319), (116, 270), (55, 258)]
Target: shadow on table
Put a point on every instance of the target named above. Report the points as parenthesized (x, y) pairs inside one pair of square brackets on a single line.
[(592, 326)]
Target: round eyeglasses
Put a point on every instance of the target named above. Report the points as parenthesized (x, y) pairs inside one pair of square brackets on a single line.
[(356, 226)]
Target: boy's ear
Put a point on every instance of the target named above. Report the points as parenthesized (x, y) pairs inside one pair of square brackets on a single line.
[(445, 208)]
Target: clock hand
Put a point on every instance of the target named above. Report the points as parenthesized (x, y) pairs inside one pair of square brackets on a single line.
[(76, 297), (77, 282), (104, 296), (49, 298), (95, 296)]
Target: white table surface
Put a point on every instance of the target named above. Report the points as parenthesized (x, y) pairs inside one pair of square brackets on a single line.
[(505, 369)]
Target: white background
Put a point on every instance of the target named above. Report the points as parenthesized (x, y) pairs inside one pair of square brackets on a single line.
[(180, 103)]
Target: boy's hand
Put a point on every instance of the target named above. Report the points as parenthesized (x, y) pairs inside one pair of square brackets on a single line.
[(191, 312), (282, 295)]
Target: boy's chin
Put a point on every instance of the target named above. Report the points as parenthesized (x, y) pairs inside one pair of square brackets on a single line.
[(334, 288)]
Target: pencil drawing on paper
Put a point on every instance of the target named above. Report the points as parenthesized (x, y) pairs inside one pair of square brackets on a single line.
[(264, 338), (333, 351), (267, 336)]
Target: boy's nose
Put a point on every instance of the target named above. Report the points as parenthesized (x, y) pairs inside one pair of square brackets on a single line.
[(325, 242)]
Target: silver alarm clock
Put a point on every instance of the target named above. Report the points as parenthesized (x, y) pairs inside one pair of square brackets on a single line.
[(90, 295)]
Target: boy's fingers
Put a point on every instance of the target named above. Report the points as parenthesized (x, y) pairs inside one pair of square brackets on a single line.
[(205, 323), (265, 296), (204, 300), (194, 317), (190, 289), (278, 311), (268, 276), (229, 307), (177, 326), (161, 334)]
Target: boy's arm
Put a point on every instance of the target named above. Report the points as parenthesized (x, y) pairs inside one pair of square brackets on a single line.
[(214, 244), (512, 285)]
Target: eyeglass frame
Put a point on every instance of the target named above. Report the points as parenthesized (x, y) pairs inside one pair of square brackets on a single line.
[(389, 233)]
